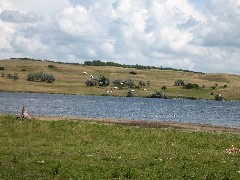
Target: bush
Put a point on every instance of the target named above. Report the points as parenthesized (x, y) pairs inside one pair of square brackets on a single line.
[(159, 94), (15, 76), (2, 68), (91, 82), (148, 83), (142, 83), (179, 82), (130, 83), (130, 94), (119, 83), (164, 88), (191, 86), (51, 66), (12, 76), (103, 81), (49, 78), (133, 72), (2, 74), (137, 87), (218, 97), (9, 75)]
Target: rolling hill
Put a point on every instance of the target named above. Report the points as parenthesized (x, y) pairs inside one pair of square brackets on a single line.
[(70, 79)]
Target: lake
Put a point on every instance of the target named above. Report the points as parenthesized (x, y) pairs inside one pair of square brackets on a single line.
[(220, 113)]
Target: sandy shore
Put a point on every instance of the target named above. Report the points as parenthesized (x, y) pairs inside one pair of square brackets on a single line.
[(144, 123)]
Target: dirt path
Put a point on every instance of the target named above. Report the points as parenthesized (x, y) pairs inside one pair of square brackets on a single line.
[(148, 124)]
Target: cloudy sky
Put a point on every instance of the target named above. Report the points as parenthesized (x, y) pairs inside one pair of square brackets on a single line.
[(199, 35)]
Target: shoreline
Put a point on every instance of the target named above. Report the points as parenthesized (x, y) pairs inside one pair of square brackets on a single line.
[(144, 123), (170, 97)]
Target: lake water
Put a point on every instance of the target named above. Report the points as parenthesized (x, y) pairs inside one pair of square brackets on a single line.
[(223, 113)]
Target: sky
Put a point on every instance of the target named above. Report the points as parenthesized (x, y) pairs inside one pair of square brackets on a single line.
[(197, 35)]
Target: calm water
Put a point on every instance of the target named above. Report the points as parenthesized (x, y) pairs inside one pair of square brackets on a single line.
[(195, 111)]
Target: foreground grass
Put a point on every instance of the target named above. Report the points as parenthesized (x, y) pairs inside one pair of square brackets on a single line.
[(36, 149)]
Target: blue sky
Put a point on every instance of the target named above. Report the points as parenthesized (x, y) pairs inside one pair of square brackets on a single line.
[(187, 34)]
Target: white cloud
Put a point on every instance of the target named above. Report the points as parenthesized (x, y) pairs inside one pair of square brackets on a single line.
[(17, 17), (186, 34)]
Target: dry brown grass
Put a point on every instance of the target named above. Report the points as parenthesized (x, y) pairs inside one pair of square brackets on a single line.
[(71, 80)]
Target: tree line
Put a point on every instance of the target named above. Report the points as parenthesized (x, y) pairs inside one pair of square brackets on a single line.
[(137, 66)]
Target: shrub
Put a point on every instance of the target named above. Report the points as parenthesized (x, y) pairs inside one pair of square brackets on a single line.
[(129, 83), (103, 81), (163, 88), (49, 78), (179, 82), (91, 82), (225, 86), (2, 68), (142, 83), (2, 74), (130, 94), (137, 87), (218, 97), (191, 86), (148, 83), (15, 76), (51, 66), (23, 69), (159, 94), (9, 75), (133, 72)]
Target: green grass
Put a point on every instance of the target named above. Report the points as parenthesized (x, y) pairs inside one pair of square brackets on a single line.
[(34, 149)]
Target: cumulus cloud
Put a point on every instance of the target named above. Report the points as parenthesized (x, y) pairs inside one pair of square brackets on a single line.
[(17, 17), (187, 34)]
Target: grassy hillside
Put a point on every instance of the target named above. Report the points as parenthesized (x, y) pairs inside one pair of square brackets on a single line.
[(34, 149), (71, 80)]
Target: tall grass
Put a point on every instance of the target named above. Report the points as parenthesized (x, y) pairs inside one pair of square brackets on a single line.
[(34, 149)]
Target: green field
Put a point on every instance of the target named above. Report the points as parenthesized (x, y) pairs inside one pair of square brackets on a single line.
[(36, 149), (71, 80)]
